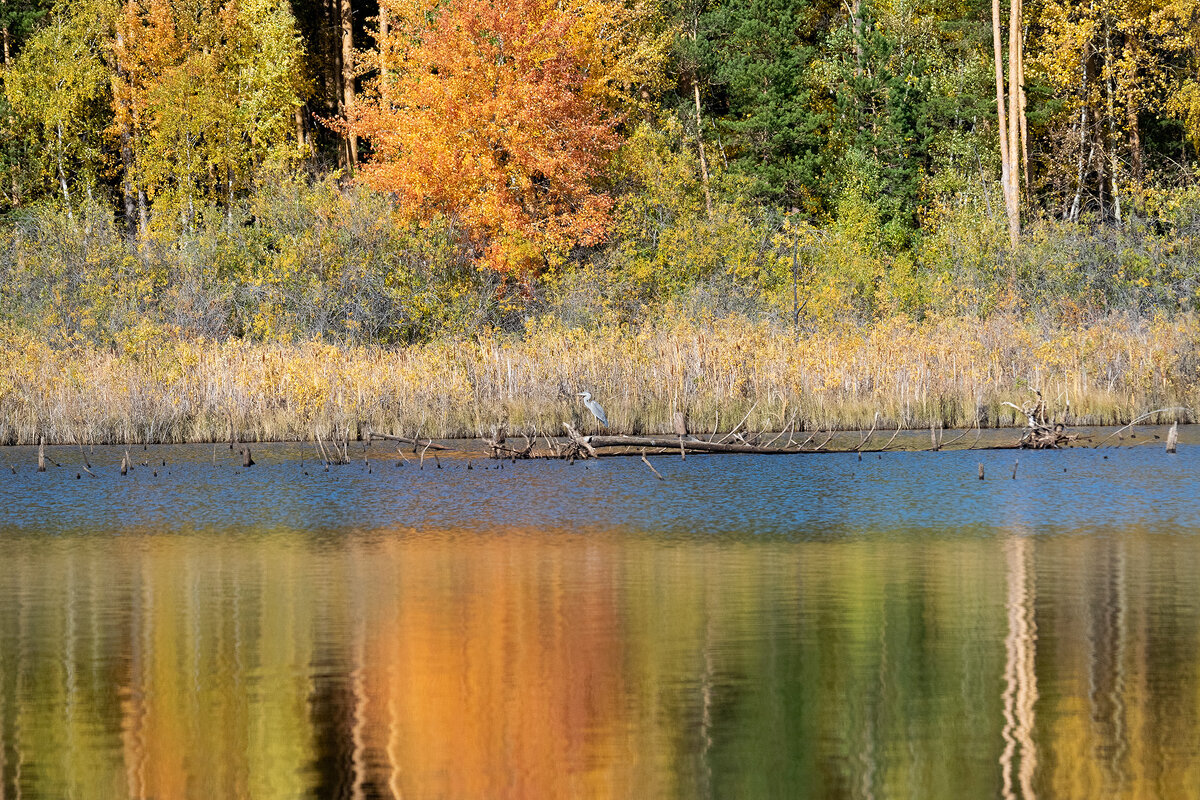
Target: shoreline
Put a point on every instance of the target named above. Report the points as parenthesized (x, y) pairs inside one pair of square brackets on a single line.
[(953, 373), (906, 440)]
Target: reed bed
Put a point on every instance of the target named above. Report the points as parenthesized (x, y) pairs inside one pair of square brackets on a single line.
[(952, 372)]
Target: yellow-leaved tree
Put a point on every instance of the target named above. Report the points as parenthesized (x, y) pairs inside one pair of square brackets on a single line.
[(204, 92)]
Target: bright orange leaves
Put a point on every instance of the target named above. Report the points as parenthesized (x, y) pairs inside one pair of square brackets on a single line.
[(480, 114)]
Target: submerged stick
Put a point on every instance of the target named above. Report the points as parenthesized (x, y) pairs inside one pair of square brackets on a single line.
[(753, 406), (889, 441), (646, 461), (870, 433), (1139, 419), (944, 445), (415, 442)]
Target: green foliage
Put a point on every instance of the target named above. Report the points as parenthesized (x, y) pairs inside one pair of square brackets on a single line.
[(665, 241), (773, 125), (58, 87)]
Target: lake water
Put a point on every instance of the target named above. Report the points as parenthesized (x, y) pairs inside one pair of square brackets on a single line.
[(808, 626)]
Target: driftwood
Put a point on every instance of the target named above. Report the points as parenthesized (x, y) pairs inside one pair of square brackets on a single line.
[(646, 461), (426, 443), (1147, 415), (695, 445), (1040, 434), (499, 447)]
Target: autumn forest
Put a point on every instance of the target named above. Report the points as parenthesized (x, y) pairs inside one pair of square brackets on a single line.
[(1008, 193)]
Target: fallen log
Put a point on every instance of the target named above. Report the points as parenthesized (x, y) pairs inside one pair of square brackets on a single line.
[(426, 443), (695, 445)]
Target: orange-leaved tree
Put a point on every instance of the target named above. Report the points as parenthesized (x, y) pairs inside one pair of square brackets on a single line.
[(484, 112)]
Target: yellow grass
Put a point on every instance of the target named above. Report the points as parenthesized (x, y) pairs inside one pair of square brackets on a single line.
[(949, 372)]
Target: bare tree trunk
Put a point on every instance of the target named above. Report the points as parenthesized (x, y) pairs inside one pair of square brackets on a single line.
[(1133, 45), (330, 46), (1135, 141), (143, 212), (4, 33), (856, 21), (1007, 128), (1083, 123), (122, 100), (301, 137), (708, 204), (1014, 119), (62, 175), (346, 14), (384, 32), (1113, 164), (1020, 78)]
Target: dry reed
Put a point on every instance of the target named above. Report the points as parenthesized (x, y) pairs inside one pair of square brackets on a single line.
[(950, 372)]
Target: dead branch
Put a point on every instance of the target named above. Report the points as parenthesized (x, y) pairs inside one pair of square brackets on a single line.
[(431, 445), (651, 466)]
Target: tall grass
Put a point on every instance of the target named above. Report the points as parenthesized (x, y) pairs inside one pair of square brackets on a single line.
[(954, 372)]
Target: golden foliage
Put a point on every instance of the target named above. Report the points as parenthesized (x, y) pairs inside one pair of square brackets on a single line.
[(487, 114)]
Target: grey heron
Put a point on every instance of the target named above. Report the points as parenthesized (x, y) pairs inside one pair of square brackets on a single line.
[(594, 407)]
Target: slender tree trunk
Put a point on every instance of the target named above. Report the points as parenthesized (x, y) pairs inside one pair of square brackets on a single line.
[(1133, 46), (708, 204), (143, 213), (12, 173), (1007, 129), (384, 32), (62, 175), (1014, 117), (4, 32), (328, 35), (346, 14), (856, 22), (1024, 126), (1074, 214), (125, 115), (301, 138), (1135, 142), (1113, 164)]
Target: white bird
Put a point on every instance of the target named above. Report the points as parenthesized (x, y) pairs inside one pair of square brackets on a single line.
[(594, 407)]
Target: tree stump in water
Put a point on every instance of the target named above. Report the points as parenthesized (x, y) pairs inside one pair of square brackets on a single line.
[(1043, 437), (679, 420), (1040, 434)]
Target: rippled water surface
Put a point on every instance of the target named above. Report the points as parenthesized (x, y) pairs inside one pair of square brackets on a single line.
[(808, 626)]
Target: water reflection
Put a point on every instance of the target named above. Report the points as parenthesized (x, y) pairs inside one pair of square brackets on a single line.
[(551, 665)]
